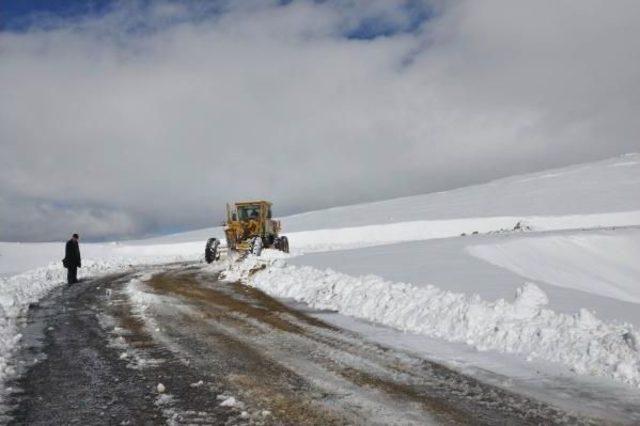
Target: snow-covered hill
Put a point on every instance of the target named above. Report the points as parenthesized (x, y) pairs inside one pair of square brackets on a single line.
[(446, 266), (606, 186)]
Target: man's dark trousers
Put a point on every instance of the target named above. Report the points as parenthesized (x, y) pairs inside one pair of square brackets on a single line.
[(72, 274)]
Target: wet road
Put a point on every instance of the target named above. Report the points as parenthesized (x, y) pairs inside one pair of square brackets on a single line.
[(226, 353)]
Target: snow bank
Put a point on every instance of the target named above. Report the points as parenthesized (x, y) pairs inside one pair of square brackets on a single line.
[(603, 264), (16, 293), (372, 235), (524, 326)]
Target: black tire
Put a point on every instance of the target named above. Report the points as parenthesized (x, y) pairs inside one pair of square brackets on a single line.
[(284, 244), (271, 241), (256, 246), (211, 250)]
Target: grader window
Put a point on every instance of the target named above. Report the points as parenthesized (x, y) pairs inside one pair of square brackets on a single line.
[(248, 212)]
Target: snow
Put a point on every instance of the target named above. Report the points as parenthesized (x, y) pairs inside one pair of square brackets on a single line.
[(544, 381), (546, 269), (373, 235), (583, 189), (603, 264), (448, 264), (229, 402), (524, 326)]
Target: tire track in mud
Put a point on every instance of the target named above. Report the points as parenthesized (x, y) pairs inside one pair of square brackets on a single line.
[(98, 365), (291, 363), (192, 397), (265, 384)]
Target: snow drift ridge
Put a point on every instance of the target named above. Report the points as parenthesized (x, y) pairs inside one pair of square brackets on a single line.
[(580, 341)]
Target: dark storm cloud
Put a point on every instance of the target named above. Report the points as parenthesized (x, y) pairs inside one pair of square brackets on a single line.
[(113, 128)]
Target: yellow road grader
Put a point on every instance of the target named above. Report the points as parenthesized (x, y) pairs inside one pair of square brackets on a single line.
[(249, 228)]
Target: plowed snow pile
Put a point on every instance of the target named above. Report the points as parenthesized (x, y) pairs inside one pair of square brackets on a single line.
[(580, 341)]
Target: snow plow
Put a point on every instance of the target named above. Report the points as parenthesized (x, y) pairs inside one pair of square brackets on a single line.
[(249, 228)]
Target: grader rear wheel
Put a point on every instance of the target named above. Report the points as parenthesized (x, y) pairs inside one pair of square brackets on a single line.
[(284, 244)]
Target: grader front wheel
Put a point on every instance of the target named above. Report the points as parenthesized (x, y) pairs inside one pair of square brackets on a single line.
[(211, 250)]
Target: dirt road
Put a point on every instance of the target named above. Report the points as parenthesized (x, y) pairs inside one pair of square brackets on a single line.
[(229, 354)]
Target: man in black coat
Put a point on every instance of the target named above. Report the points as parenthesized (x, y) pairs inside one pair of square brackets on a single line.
[(71, 259)]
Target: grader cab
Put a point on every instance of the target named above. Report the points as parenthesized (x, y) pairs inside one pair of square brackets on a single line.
[(249, 228)]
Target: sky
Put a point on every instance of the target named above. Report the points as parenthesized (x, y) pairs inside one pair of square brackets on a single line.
[(133, 118)]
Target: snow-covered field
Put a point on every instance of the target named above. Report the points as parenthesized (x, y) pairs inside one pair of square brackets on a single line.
[(541, 266), (522, 326)]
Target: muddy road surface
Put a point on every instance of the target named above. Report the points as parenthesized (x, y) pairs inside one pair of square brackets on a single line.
[(175, 345)]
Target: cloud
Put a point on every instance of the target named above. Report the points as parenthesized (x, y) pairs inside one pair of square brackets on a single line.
[(150, 117), (63, 220)]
